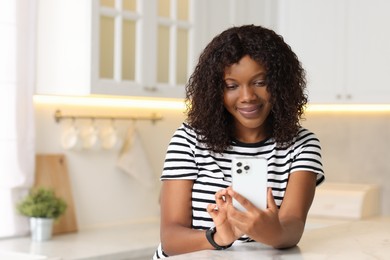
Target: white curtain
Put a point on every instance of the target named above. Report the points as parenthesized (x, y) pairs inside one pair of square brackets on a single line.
[(17, 136)]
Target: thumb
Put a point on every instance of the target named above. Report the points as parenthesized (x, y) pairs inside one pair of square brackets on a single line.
[(271, 204)]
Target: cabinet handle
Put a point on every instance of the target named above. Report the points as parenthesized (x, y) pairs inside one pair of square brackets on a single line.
[(349, 96), (338, 96), (150, 88)]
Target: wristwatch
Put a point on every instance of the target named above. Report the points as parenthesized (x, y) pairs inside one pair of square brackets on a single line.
[(210, 237)]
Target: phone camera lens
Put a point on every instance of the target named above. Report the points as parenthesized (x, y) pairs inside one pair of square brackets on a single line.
[(246, 167), (239, 171), (239, 164)]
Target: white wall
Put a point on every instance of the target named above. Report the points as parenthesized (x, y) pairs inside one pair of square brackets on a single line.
[(103, 194), (355, 150)]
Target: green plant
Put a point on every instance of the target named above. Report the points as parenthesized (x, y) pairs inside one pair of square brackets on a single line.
[(42, 203)]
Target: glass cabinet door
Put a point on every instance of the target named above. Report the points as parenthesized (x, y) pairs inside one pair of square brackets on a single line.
[(143, 46), (173, 31), (117, 44)]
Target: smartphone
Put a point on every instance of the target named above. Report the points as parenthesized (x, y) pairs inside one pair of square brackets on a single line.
[(249, 178)]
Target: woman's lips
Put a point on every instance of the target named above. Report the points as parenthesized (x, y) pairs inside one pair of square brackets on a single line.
[(249, 111)]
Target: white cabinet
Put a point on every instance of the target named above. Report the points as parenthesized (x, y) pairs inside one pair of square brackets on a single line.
[(131, 47), (116, 47), (314, 32), (222, 14), (64, 50), (343, 45), (368, 51)]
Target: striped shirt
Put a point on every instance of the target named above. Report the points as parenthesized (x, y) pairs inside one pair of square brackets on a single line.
[(188, 159)]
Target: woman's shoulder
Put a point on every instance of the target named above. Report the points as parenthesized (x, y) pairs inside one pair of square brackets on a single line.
[(304, 132), (305, 136), (185, 132)]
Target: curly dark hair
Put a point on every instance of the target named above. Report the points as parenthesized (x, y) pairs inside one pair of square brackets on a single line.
[(285, 79)]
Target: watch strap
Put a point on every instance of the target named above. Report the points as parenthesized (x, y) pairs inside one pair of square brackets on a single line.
[(210, 237)]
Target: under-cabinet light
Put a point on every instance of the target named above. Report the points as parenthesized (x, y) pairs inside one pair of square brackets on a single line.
[(361, 108), (178, 104), (99, 101)]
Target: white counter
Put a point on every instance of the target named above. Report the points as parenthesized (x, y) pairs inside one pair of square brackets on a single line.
[(323, 239), (364, 239), (133, 241)]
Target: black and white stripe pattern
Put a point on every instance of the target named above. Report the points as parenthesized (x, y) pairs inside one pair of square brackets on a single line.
[(188, 159)]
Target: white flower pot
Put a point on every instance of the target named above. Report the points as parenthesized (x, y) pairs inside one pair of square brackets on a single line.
[(41, 228)]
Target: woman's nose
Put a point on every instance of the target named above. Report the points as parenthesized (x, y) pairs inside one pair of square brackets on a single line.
[(247, 93)]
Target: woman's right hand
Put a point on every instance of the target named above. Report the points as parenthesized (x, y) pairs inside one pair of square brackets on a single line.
[(226, 233)]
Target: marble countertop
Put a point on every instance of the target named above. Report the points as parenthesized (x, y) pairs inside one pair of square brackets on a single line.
[(132, 241), (323, 239), (360, 239)]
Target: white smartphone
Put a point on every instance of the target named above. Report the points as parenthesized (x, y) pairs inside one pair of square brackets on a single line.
[(249, 178)]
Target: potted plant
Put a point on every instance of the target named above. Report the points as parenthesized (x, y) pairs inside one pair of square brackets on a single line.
[(42, 206)]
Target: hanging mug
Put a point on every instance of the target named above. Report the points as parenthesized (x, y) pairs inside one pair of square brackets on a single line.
[(69, 137), (88, 135), (108, 137)]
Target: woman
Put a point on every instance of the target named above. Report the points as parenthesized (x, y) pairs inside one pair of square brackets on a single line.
[(245, 98)]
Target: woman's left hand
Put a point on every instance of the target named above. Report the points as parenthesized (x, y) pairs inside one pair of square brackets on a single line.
[(261, 225), (226, 232)]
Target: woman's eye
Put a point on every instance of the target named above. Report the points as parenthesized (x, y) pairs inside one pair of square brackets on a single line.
[(230, 86), (260, 83)]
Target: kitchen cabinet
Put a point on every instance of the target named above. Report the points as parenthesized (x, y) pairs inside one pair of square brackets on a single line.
[(130, 47), (222, 14), (343, 45), (368, 50), (116, 47)]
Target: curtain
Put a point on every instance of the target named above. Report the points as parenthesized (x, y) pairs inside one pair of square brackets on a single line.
[(17, 149)]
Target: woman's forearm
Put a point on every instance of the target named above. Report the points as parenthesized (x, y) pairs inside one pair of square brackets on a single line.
[(292, 230), (179, 240)]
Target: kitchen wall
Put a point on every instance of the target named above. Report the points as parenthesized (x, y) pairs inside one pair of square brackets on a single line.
[(103, 194), (355, 150)]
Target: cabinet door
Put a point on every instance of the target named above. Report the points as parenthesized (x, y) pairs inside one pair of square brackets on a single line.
[(144, 47), (115, 47), (315, 31), (175, 25), (64, 47), (368, 50), (221, 14), (118, 47)]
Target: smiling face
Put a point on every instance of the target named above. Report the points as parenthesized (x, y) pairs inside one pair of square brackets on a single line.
[(247, 99)]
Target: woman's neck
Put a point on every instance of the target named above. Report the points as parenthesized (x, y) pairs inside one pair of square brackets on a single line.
[(251, 135)]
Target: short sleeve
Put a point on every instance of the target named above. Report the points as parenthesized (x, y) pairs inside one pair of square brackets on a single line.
[(180, 157), (307, 155)]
